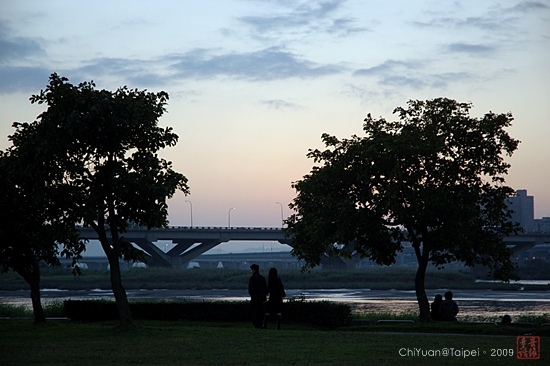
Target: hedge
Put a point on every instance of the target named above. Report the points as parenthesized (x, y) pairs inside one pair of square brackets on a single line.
[(318, 313)]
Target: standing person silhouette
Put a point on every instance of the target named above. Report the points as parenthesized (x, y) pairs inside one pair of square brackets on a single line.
[(276, 292), (449, 308), (257, 289)]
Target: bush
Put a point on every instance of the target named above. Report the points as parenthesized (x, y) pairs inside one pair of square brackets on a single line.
[(323, 313), (320, 313), (538, 319), (14, 311), (54, 309)]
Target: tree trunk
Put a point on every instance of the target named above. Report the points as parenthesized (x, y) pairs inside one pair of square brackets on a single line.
[(31, 275), (421, 297), (422, 253), (112, 251), (123, 306), (38, 310)]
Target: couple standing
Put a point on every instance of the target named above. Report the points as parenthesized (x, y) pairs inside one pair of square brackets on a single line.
[(258, 290)]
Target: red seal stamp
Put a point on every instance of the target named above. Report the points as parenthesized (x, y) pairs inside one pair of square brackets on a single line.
[(528, 347)]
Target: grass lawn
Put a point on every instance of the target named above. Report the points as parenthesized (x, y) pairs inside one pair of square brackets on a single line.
[(192, 343)]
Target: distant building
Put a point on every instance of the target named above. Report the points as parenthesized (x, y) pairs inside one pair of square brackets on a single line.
[(523, 207), (542, 225)]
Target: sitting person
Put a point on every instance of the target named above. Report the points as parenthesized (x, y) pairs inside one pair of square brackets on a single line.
[(448, 308), (506, 319), (435, 307)]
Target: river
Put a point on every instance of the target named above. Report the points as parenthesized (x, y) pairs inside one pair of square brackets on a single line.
[(474, 304)]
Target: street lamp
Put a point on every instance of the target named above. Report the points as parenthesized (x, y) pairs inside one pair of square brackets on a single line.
[(191, 207), (280, 204), (229, 217)]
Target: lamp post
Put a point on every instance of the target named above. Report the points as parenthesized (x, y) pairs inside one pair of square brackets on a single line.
[(191, 207), (229, 217), (280, 204)]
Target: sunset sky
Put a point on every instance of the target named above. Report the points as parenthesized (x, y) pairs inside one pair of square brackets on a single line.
[(254, 84)]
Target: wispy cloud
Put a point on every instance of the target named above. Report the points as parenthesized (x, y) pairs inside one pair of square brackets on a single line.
[(443, 80), (528, 6), (269, 64), (389, 67), (412, 74), (22, 78), (262, 65), (480, 22), (18, 69), (279, 104), (17, 48), (392, 73), (495, 18), (302, 19), (298, 16), (471, 49)]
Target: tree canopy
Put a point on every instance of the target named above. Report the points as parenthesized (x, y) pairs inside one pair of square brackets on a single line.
[(434, 178), (104, 147)]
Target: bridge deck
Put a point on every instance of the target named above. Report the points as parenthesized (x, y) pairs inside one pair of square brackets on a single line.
[(192, 242)]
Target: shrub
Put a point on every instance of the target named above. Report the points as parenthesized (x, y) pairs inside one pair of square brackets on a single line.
[(54, 309), (538, 319), (323, 313), (14, 311)]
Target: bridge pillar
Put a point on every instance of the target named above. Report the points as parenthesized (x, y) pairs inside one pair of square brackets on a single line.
[(193, 253), (155, 257), (181, 246)]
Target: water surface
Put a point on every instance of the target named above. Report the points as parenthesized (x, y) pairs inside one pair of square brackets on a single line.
[(472, 303)]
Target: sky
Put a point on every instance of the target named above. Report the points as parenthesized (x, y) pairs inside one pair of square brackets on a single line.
[(253, 84)]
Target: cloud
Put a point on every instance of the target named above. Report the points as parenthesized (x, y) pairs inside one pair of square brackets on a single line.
[(16, 54), (279, 104), (496, 18), (527, 6), (23, 78), (403, 81), (442, 80), (485, 23), (389, 67), (303, 19), (17, 48), (393, 73), (299, 16), (413, 74), (472, 49), (345, 27), (264, 65), (107, 65)]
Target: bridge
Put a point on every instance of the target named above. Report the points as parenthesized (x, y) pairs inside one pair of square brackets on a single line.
[(191, 242)]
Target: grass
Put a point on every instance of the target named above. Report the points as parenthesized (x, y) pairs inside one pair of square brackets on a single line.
[(191, 343)]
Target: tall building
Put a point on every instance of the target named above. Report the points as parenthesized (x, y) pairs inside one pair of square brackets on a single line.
[(523, 207)]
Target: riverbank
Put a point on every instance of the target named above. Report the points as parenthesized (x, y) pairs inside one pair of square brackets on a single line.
[(377, 278)]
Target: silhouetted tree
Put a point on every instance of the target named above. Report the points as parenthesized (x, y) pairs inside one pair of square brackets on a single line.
[(106, 145), (34, 227), (434, 178)]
